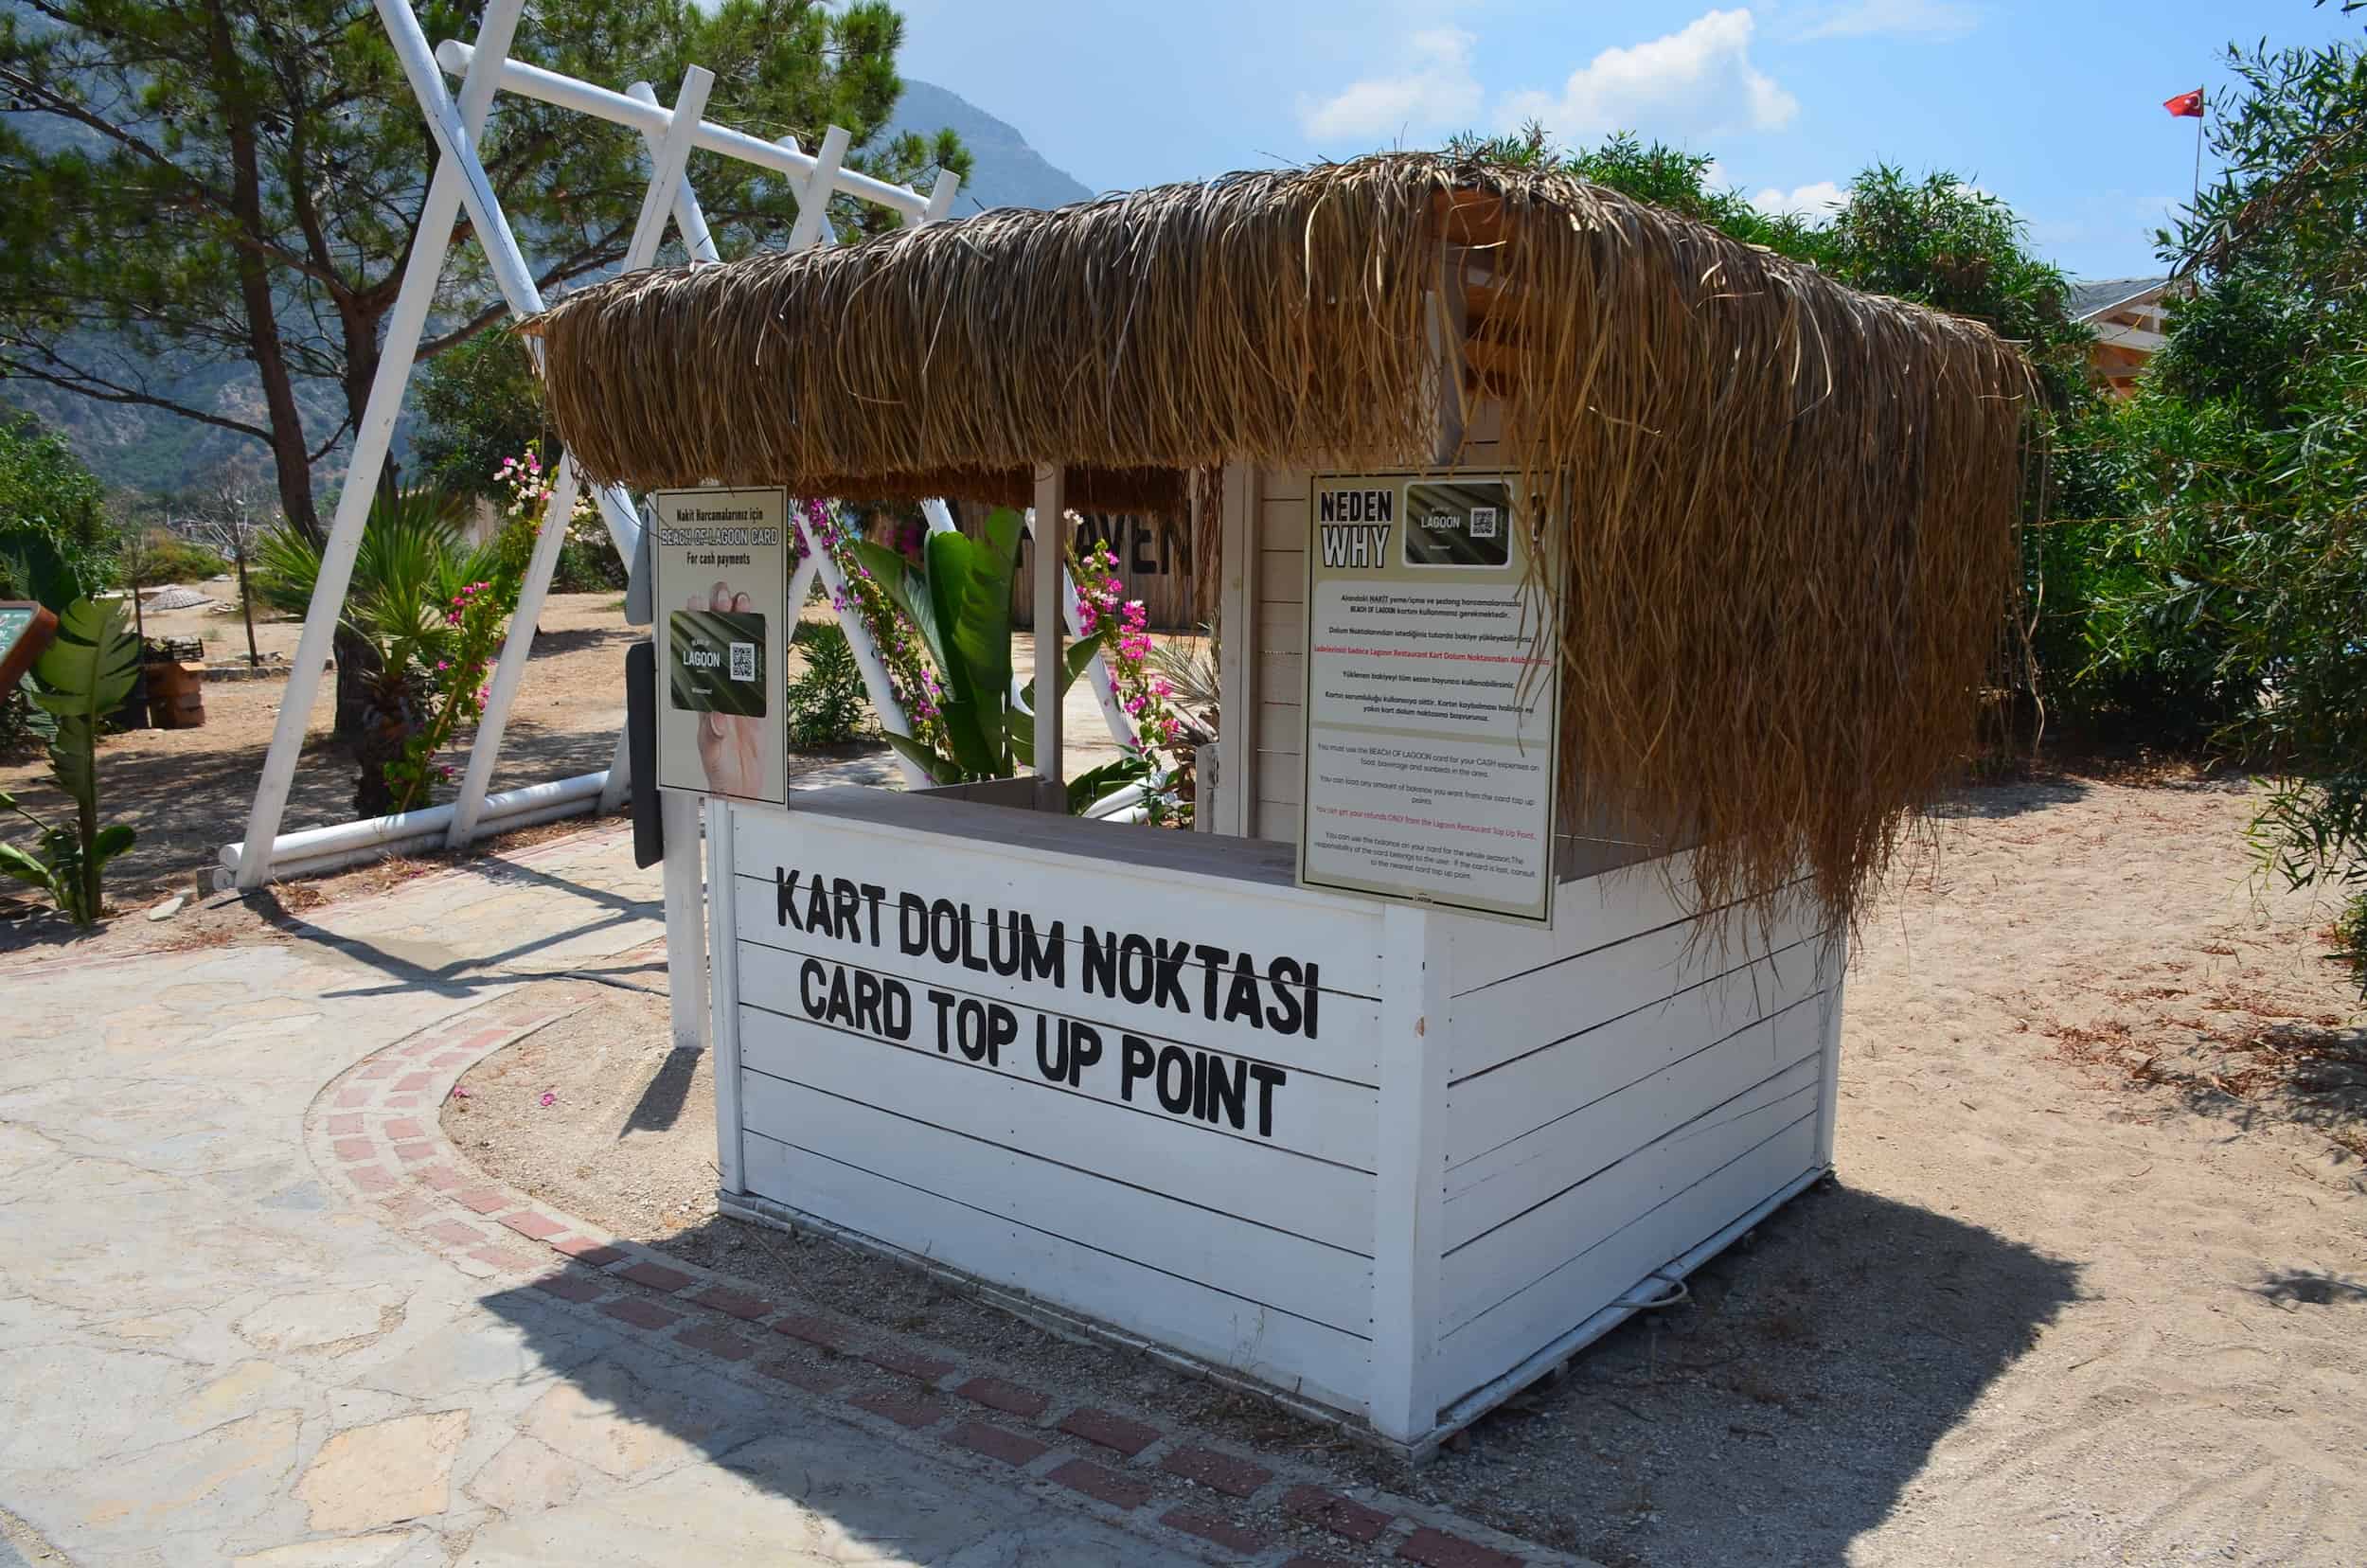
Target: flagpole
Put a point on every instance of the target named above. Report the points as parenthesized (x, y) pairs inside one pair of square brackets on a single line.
[(2197, 202)]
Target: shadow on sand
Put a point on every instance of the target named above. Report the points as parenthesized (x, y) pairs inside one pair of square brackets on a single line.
[(1801, 1388)]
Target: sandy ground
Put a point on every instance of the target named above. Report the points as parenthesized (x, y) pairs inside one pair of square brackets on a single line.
[(2091, 1286)]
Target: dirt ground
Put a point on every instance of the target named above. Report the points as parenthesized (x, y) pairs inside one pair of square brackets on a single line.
[(2090, 1287)]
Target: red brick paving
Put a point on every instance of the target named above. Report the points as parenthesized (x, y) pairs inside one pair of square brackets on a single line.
[(1008, 1398), (355, 1148), (1108, 1485), (411, 1153), (373, 1179), (1210, 1526), (570, 1286), (486, 1199), (542, 1227), (451, 1233), (597, 1255), (640, 1313), (814, 1330), (1437, 1549), (344, 1125), (799, 1376), (995, 1443), (401, 1127), (410, 1083), (906, 1410), (912, 1364), (1234, 1477), (715, 1339), (729, 1301), (657, 1276), (1342, 1516), (1111, 1431)]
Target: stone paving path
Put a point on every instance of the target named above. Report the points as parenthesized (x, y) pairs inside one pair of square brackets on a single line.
[(212, 1352)]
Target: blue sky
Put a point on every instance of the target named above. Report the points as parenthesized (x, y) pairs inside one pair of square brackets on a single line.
[(2054, 107)]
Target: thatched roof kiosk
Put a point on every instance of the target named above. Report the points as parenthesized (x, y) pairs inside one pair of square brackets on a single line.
[(1793, 528), (1785, 518)]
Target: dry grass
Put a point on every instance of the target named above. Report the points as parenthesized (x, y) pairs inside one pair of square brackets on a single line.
[(1791, 509)]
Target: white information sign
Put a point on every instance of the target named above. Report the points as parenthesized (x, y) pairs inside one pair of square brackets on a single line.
[(721, 589), (1432, 695)]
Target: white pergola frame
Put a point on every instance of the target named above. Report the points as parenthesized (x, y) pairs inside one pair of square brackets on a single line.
[(459, 182)]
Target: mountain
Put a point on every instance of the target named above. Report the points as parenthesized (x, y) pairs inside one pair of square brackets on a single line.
[(146, 450), (1010, 172)]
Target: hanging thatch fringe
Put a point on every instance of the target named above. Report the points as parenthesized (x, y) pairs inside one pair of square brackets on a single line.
[(1791, 507)]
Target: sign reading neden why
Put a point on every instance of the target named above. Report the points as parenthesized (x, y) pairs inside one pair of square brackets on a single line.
[(720, 588), (1431, 700)]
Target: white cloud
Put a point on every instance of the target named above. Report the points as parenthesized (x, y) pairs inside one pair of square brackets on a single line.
[(1435, 91), (1935, 21), (1696, 82), (1809, 200)]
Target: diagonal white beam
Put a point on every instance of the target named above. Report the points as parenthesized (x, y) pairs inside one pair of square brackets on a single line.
[(813, 201), (657, 203), (370, 441)]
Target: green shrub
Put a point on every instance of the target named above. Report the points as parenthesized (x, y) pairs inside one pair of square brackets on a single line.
[(167, 558), (828, 706)]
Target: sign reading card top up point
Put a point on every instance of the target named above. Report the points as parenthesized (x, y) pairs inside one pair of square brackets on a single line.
[(720, 590), (1432, 697)]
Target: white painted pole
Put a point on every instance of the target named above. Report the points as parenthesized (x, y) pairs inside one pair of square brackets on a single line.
[(690, 220), (657, 204), (723, 1001), (685, 925), (867, 659), (370, 441), (1408, 1189), (1051, 505), (813, 200), (550, 87)]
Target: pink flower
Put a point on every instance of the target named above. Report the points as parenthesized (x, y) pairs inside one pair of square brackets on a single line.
[(458, 1092), (549, 1098)]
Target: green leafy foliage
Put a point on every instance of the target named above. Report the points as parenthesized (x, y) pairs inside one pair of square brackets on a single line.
[(409, 573), (479, 403), (959, 602), (2232, 489), (195, 187), (81, 678), (828, 704), (57, 539)]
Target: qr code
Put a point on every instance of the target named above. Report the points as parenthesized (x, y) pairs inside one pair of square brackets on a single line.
[(743, 661), (1483, 522)]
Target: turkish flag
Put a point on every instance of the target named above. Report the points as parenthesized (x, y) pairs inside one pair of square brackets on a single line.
[(2186, 105)]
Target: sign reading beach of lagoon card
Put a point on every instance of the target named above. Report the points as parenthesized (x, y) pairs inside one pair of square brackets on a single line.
[(720, 588), (1431, 696)]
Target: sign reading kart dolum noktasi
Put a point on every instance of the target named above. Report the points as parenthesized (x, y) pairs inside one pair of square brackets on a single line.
[(1278, 994)]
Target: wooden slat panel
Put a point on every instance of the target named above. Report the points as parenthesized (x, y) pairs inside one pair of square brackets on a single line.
[(1587, 914), (1491, 1110), (1324, 1363), (1341, 1047), (1282, 627), (1514, 1178), (1281, 577), (1504, 1261), (1515, 1016), (1261, 1180), (1282, 726), (1006, 871), (1318, 1112), (1501, 1338), (1290, 1274), (1278, 821), (1279, 487), (1281, 674)]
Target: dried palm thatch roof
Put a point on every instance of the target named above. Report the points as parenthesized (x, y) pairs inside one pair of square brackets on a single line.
[(1790, 541)]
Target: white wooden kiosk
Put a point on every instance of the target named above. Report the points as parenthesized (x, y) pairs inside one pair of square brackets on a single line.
[(1388, 1160)]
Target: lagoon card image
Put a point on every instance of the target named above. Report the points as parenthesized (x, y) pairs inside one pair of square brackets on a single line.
[(1458, 524), (716, 663)]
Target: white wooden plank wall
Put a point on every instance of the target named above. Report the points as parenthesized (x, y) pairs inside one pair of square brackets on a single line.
[(1618, 1093), (1279, 681), (1250, 1245)]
